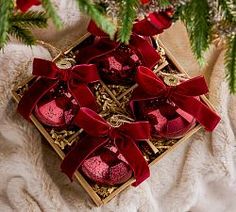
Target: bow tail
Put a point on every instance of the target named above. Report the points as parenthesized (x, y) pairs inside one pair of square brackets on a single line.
[(203, 114), (33, 95), (83, 96), (80, 152), (134, 157)]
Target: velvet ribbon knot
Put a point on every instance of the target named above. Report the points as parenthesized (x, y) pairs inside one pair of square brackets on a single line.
[(77, 78), (182, 95), (99, 133)]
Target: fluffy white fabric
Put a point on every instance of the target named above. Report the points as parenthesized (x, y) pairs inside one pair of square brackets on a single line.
[(198, 176)]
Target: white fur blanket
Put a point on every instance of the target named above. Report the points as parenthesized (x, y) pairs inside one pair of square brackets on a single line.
[(198, 176)]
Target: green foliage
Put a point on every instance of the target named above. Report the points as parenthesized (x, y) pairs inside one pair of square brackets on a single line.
[(96, 15), (164, 3), (228, 9), (29, 19), (51, 13), (22, 34), (6, 8), (17, 24), (230, 62), (195, 15), (20, 23), (127, 17)]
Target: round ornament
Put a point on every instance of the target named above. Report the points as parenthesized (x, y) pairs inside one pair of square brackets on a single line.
[(57, 108), (166, 119), (119, 66), (107, 167)]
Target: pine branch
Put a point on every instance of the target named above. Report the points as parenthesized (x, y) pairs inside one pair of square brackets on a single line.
[(229, 9), (6, 8), (51, 13), (230, 62), (164, 3), (30, 19), (22, 34), (195, 16), (127, 17), (101, 20)]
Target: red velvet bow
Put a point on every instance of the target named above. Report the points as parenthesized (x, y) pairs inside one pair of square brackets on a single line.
[(24, 5), (103, 45), (99, 133), (150, 86), (76, 78)]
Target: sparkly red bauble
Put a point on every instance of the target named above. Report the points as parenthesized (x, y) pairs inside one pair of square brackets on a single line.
[(57, 108), (119, 66), (107, 167), (167, 121)]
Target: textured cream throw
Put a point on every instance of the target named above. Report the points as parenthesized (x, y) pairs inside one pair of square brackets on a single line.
[(198, 176)]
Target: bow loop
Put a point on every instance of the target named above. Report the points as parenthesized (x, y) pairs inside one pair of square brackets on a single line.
[(148, 79), (193, 87), (92, 123)]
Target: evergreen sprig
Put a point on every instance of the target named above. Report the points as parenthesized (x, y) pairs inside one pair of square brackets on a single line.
[(127, 17), (104, 22), (22, 34), (228, 8), (51, 13), (6, 8), (29, 19), (163, 3), (195, 15), (230, 62)]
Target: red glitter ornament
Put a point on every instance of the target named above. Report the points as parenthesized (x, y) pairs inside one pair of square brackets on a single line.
[(165, 118), (57, 108), (119, 66), (107, 167)]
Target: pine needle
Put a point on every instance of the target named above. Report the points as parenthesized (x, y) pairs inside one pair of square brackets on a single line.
[(30, 19), (164, 3), (22, 34), (127, 17), (228, 9), (195, 15), (101, 20), (230, 62), (51, 13), (6, 8)]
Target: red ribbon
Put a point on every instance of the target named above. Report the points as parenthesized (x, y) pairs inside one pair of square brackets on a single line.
[(99, 133), (24, 5), (77, 79), (144, 1), (103, 45), (150, 87), (154, 24)]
